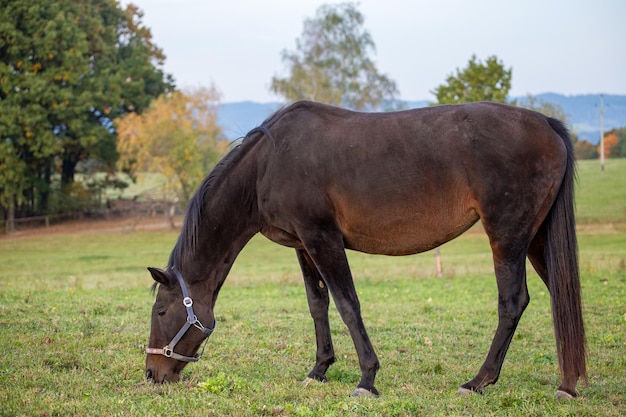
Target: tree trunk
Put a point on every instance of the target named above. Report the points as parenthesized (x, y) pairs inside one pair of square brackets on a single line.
[(10, 226), (68, 170), (44, 193)]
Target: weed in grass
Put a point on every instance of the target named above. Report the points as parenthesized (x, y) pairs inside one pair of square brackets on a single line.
[(221, 383)]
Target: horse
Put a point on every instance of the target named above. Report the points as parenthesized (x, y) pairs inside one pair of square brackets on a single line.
[(321, 179)]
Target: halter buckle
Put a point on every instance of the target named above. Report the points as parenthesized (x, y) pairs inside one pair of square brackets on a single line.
[(167, 351)]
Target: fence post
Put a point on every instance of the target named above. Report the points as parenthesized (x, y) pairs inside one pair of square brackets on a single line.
[(438, 262)]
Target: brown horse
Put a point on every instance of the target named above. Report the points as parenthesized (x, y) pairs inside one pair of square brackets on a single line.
[(321, 179)]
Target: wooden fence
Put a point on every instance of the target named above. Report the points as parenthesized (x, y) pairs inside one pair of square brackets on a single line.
[(114, 209)]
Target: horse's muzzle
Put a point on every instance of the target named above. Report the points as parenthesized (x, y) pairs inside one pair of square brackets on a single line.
[(161, 378), (160, 369)]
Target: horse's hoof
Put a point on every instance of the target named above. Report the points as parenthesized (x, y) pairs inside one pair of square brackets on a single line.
[(308, 381), (464, 391), (564, 395), (362, 392)]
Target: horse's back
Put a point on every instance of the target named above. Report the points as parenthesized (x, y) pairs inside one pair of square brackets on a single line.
[(405, 182)]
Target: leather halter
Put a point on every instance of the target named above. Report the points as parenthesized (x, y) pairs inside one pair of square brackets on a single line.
[(192, 320)]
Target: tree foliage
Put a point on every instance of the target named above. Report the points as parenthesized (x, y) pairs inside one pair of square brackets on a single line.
[(331, 63), (611, 145), (621, 144), (584, 149), (176, 136), (67, 69), (488, 81), (549, 109), (615, 143)]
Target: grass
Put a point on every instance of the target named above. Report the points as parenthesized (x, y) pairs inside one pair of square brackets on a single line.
[(601, 195), (74, 320)]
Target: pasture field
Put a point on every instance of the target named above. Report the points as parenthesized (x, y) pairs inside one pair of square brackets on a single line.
[(75, 309)]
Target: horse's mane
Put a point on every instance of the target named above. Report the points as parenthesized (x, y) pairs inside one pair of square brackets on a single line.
[(188, 238)]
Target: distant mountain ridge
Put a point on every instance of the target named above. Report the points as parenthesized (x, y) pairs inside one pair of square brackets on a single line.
[(237, 118)]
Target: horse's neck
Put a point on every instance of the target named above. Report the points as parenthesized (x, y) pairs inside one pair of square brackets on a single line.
[(229, 220), (235, 221)]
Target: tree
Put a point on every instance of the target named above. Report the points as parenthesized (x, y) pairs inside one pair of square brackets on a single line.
[(331, 63), (489, 81), (584, 149), (611, 145), (11, 174), (67, 69), (177, 136), (549, 109), (622, 142), (615, 143)]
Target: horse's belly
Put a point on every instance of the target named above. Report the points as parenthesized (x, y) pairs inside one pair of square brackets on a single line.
[(410, 229)]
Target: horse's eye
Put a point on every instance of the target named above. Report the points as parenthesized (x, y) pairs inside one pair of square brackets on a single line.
[(161, 313)]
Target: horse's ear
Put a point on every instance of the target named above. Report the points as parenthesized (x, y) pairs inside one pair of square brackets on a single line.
[(160, 276)]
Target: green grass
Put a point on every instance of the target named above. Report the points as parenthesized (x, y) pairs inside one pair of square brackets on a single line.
[(74, 320), (74, 346), (601, 195)]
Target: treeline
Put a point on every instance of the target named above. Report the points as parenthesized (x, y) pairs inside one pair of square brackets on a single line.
[(614, 146)]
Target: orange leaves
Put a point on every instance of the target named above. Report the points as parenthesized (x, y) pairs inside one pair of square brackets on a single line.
[(177, 136), (610, 145)]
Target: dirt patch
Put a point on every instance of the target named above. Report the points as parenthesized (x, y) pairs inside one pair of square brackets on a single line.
[(121, 224), (601, 228)]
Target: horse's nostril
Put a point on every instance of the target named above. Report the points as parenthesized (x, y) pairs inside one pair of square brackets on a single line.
[(149, 374)]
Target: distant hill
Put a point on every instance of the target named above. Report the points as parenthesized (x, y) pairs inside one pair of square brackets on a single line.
[(238, 118)]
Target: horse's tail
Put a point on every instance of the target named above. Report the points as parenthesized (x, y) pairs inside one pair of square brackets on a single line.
[(561, 254)]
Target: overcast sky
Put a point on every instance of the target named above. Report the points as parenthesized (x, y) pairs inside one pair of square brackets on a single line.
[(562, 46)]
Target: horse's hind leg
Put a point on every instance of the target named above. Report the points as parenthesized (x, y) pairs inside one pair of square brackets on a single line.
[(317, 296), (513, 298), (537, 257)]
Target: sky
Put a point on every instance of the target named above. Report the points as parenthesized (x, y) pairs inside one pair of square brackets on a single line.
[(562, 46)]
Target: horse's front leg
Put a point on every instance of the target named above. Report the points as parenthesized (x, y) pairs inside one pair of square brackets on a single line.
[(317, 297), (328, 256)]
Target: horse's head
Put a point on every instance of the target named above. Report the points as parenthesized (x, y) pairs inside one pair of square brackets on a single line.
[(177, 331)]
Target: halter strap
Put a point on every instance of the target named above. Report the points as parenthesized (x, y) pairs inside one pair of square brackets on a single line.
[(192, 320)]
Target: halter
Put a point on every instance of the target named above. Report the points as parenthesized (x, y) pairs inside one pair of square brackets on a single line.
[(192, 320)]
